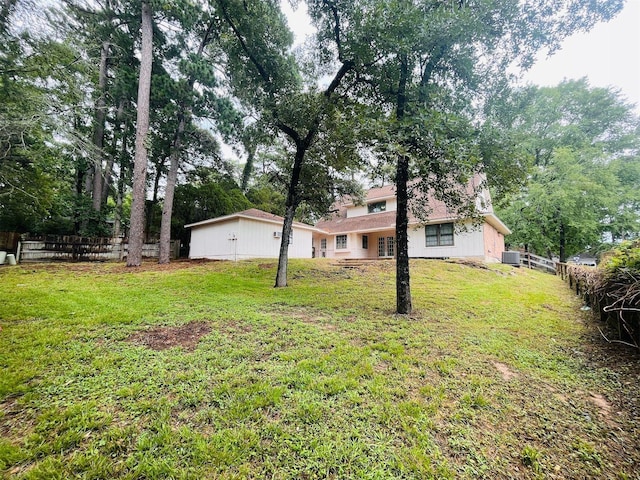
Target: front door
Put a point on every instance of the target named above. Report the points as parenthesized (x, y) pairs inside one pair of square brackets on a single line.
[(386, 246)]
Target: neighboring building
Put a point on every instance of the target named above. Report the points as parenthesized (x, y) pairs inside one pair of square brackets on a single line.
[(368, 231), (248, 234)]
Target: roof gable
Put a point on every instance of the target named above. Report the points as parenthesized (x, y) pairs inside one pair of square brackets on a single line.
[(252, 214)]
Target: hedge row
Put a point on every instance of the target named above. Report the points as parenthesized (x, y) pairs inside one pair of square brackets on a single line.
[(613, 289)]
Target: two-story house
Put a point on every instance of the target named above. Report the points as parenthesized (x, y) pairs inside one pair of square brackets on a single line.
[(360, 231), (368, 231)]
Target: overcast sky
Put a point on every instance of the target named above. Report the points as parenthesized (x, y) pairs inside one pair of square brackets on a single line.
[(608, 55)]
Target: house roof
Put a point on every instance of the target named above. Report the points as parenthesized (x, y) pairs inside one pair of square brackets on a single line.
[(375, 193), (364, 223), (375, 222), (251, 214), (438, 213)]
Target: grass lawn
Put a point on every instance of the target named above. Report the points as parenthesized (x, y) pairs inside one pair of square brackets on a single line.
[(203, 370)]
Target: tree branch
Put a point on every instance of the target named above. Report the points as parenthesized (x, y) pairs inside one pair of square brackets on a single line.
[(259, 67)]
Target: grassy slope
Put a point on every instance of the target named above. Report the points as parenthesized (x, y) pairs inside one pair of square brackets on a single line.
[(318, 380)]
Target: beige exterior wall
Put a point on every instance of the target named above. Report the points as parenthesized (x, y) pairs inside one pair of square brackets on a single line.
[(242, 238), (354, 245)]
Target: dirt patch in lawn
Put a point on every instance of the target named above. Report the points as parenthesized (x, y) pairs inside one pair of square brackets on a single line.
[(161, 338), (505, 371)]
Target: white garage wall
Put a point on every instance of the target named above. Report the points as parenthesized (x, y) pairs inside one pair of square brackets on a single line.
[(242, 238), (256, 240), (212, 241)]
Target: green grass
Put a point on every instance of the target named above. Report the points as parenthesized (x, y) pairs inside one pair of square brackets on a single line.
[(317, 380)]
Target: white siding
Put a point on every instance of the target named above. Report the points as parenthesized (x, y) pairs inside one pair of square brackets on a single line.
[(243, 238), (213, 241), (465, 244)]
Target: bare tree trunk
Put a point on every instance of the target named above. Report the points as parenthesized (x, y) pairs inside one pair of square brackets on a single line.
[(136, 232), (403, 288), (167, 206), (290, 210), (124, 167), (283, 258), (150, 205), (98, 132)]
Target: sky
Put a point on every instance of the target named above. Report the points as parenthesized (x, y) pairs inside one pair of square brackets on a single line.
[(608, 55)]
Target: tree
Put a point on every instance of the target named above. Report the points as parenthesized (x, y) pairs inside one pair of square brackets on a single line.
[(265, 76), (195, 89), (583, 183), (136, 233), (36, 83), (437, 61)]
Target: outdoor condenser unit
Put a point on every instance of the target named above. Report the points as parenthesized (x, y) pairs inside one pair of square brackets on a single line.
[(511, 258)]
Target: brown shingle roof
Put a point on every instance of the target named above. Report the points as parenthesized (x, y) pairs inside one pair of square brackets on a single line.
[(379, 221), (374, 221)]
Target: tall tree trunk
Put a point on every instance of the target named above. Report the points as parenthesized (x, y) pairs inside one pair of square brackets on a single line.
[(403, 289), (136, 232), (248, 167), (98, 132), (108, 169), (124, 168), (174, 161), (290, 210), (117, 221), (167, 206), (151, 204), (563, 242)]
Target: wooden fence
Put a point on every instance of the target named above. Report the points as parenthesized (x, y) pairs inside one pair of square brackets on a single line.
[(9, 241), (541, 263), (68, 248)]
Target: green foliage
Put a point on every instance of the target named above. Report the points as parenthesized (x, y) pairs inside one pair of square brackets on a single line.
[(531, 458), (207, 194), (624, 257), (583, 181)]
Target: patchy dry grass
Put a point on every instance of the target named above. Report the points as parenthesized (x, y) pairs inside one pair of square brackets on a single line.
[(202, 370)]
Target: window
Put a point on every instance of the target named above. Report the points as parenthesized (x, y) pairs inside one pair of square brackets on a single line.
[(341, 241), (439, 235), (386, 246), (323, 244), (376, 207), (365, 242)]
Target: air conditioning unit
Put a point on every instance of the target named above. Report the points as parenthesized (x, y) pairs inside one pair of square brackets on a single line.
[(511, 258), (277, 234)]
